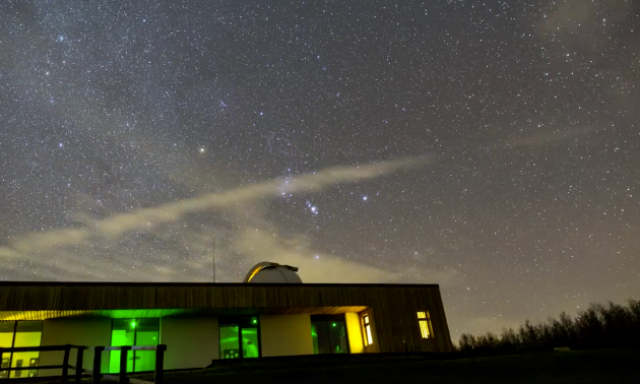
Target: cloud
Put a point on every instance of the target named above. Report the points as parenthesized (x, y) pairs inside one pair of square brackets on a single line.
[(581, 23), (162, 243), (99, 233), (549, 137), (324, 268)]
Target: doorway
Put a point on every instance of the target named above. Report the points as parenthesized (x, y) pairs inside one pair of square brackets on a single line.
[(130, 332), (239, 338), (329, 334)]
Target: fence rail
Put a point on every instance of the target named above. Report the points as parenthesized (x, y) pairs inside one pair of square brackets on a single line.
[(97, 362)]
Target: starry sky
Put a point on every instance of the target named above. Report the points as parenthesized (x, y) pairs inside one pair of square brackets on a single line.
[(491, 147)]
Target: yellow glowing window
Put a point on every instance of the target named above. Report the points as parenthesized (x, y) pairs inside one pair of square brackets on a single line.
[(367, 330), (424, 321)]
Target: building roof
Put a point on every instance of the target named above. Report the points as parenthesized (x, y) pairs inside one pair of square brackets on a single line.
[(196, 284), (39, 300)]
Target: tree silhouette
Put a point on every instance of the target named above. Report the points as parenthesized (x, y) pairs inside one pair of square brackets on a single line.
[(599, 326)]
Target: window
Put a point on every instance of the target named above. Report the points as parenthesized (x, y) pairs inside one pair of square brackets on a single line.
[(368, 339), (329, 334), (129, 332), (424, 321), (14, 334)]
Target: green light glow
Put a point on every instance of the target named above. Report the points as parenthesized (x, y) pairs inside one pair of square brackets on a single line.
[(255, 321), (127, 333), (333, 325)]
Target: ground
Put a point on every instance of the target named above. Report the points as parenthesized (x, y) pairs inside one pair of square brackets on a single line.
[(602, 366)]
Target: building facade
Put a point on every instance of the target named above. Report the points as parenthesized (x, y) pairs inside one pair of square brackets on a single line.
[(204, 322)]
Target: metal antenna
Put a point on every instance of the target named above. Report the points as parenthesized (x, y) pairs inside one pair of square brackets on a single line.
[(213, 251)]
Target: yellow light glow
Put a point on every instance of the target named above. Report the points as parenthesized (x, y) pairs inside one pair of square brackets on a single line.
[(367, 330), (254, 273), (369, 337), (424, 321), (424, 329)]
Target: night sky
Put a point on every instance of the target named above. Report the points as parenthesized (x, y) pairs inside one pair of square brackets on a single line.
[(490, 147)]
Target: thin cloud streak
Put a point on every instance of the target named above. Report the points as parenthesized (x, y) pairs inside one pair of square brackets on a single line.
[(146, 219)]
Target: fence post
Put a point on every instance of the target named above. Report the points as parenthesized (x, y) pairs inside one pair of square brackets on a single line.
[(124, 351), (2, 373), (79, 362), (97, 360), (65, 363), (159, 374)]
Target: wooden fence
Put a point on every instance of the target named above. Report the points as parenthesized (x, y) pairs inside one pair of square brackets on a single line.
[(97, 361)]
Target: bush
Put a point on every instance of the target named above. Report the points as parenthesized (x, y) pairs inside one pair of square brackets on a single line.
[(612, 326)]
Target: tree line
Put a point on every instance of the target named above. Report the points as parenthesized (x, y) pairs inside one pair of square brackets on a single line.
[(600, 326)]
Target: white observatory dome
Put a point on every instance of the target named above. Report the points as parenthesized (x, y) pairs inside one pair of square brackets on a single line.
[(267, 272)]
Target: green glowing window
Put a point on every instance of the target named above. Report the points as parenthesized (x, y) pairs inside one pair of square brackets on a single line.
[(129, 332)]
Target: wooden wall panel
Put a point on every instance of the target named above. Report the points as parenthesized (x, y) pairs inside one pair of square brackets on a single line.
[(393, 307)]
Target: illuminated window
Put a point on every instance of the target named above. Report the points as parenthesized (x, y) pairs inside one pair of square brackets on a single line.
[(424, 321), (20, 334), (368, 340)]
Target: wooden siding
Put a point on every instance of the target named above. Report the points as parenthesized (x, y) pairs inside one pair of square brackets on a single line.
[(393, 308), (156, 313)]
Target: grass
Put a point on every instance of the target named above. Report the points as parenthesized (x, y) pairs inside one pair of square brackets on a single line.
[(594, 366)]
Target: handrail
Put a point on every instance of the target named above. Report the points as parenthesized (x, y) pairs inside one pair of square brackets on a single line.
[(97, 361), (42, 348), (46, 348), (133, 348), (122, 375)]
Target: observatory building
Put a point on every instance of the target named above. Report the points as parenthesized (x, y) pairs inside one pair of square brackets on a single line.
[(271, 313), (267, 272)]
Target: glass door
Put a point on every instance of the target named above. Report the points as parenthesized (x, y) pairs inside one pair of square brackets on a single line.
[(7, 329), (239, 338), (250, 343), (329, 334), (229, 342), (28, 334), (147, 333), (123, 333), (130, 332)]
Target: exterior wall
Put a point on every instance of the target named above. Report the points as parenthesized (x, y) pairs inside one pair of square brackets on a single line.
[(394, 320), (285, 335), (354, 332), (86, 332), (192, 342)]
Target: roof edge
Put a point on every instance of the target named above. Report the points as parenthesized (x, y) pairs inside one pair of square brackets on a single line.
[(196, 284)]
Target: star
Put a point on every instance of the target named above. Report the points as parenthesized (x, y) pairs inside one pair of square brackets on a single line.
[(231, 148)]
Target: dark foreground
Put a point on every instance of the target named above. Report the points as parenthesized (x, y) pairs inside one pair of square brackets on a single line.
[(596, 366)]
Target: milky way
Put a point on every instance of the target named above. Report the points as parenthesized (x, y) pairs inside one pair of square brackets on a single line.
[(490, 147)]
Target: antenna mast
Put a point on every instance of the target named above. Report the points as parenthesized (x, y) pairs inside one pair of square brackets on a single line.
[(213, 254)]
